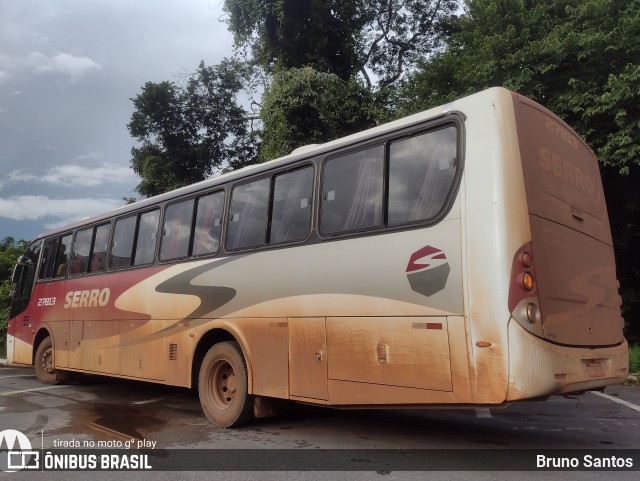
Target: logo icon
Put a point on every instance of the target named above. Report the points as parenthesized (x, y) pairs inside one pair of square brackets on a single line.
[(428, 270), (15, 458)]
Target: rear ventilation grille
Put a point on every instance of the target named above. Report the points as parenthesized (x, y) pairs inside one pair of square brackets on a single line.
[(173, 352)]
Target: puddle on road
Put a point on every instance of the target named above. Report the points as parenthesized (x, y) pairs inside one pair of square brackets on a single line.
[(131, 421), (114, 421)]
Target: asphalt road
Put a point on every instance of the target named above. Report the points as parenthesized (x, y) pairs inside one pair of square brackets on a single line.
[(113, 412)]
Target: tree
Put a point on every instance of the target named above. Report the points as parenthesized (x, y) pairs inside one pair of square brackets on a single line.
[(579, 58), (399, 34), (303, 106), (331, 62), (343, 37), (283, 34), (188, 131), (10, 250)]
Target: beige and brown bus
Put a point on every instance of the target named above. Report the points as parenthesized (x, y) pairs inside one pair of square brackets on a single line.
[(457, 257)]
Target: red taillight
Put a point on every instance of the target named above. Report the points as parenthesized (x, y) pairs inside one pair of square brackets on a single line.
[(523, 277)]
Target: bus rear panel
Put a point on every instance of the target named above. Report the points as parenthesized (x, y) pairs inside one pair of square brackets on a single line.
[(574, 311)]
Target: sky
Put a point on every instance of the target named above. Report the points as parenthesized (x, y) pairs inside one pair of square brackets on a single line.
[(68, 69)]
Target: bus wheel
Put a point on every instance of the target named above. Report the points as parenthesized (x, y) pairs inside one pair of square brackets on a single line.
[(223, 386), (45, 371)]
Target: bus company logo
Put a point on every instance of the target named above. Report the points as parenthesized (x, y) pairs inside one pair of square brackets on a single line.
[(428, 270), (15, 458), (87, 298)]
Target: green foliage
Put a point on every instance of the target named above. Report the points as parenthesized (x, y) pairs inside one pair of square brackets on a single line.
[(185, 132), (634, 358), (342, 37), (10, 250), (283, 34), (579, 58), (188, 131), (624, 216), (303, 106)]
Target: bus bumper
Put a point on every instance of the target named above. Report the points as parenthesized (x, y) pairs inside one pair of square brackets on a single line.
[(540, 369)]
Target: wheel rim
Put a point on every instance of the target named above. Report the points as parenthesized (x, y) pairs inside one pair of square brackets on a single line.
[(222, 385), (47, 360)]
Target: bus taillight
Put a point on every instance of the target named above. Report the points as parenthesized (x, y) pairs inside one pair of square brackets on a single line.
[(523, 282), (527, 281), (524, 304)]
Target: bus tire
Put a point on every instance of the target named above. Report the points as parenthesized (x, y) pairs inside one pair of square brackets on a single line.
[(43, 364), (223, 386)]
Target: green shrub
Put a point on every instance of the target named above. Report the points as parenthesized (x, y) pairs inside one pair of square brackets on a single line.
[(4, 315), (634, 358)]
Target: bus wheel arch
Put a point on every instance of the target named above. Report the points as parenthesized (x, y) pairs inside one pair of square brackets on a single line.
[(223, 385), (43, 360), (41, 335), (207, 341)]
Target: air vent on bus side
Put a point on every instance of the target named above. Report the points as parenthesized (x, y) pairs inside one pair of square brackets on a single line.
[(173, 352)]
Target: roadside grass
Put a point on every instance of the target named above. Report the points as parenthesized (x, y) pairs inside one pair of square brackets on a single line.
[(634, 366)]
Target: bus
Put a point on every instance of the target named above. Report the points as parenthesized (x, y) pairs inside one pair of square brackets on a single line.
[(459, 257)]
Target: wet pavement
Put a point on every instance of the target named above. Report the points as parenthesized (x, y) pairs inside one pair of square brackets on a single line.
[(108, 412)]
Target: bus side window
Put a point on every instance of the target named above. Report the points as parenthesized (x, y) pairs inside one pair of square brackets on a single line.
[(291, 213), (353, 191), (98, 260), (208, 228), (62, 258), (176, 231), (146, 240), (122, 245), (247, 224), (421, 173), (81, 250), (48, 258)]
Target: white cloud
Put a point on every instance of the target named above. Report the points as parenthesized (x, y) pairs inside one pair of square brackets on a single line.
[(73, 175), (61, 62), (64, 63), (57, 211)]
